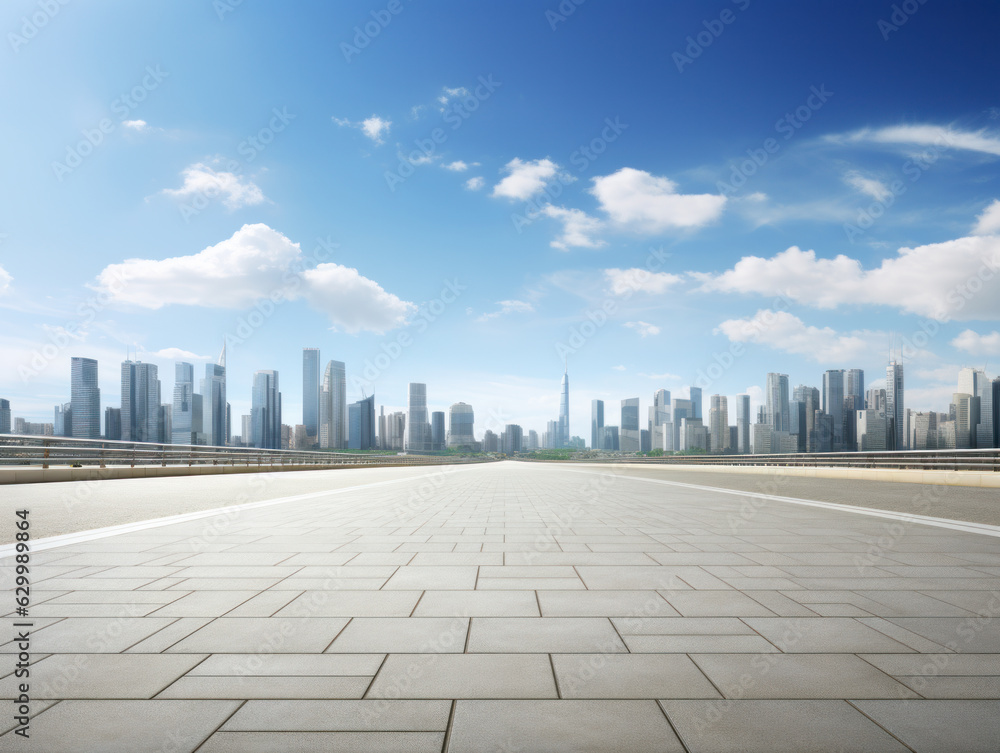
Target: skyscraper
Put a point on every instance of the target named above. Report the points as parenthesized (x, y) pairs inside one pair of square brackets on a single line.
[(333, 407), (743, 424), (62, 425), (596, 423), (659, 418), (776, 401), (854, 385), (4, 416), (310, 393), (564, 410), (182, 416), (718, 422), (85, 397), (140, 402), (361, 424), (696, 399), (213, 390), (112, 423), (975, 383), (265, 410), (418, 428), (437, 431), (461, 423), (895, 412), (833, 403)]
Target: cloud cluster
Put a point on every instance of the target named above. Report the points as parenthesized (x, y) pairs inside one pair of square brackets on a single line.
[(201, 180), (638, 280), (638, 201), (508, 307), (786, 332), (374, 127), (645, 329), (525, 178), (978, 345)]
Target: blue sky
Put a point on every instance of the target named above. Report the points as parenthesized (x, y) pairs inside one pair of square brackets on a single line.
[(725, 187)]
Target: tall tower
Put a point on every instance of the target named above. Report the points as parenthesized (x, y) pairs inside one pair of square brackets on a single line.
[(564, 409), (596, 424), (213, 390), (418, 429), (895, 412), (310, 393), (182, 419), (776, 401), (743, 424), (265, 411), (333, 427), (140, 402), (85, 398)]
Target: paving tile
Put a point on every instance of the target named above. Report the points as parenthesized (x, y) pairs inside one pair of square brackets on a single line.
[(561, 727), (543, 635), (630, 676), (290, 665), (478, 604), (928, 726), (819, 635), (402, 635), (255, 634), (324, 742), (77, 635), (161, 640), (541, 584), (409, 578), (777, 727), (978, 635), (351, 604), (340, 716), (681, 626), (604, 604), (716, 603), (464, 676), (236, 687), (962, 665), (204, 604), (684, 644)]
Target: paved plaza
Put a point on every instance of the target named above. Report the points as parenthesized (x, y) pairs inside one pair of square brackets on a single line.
[(514, 607)]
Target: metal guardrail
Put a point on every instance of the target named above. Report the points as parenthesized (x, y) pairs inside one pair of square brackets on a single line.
[(984, 460), (33, 450)]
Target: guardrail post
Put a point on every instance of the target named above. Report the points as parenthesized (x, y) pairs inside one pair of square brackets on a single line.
[(45, 454)]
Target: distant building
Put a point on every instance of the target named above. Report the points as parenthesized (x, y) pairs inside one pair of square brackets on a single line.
[(609, 438), (437, 431), (85, 396), (310, 393), (718, 422), (140, 402), (872, 431), (395, 426), (62, 425), (895, 409), (490, 442), (776, 401), (461, 424), (417, 425), (265, 411), (512, 439), (4, 416), (696, 403), (743, 445), (810, 399), (563, 439), (531, 441), (361, 424), (164, 424), (182, 413), (214, 406), (596, 423)]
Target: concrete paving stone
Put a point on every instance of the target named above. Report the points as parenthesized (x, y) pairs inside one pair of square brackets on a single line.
[(531, 556), (267, 687), (929, 726), (832, 609), (630, 676), (90, 610), (568, 726), (253, 634), (985, 603), (803, 676), (543, 635), (236, 573), (352, 604), (244, 559), (95, 584), (402, 635), (449, 676), (781, 604), (101, 676), (138, 571), (761, 584), (409, 578), (819, 635), (906, 637), (478, 604), (541, 584), (123, 726), (220, 584), (604, 604), (264, 604), (377, 559), (777, 727), (690, 644), (345, 571), (324, 742), (977, 635), (957, 665), (340, 716), (76, 635), (453, 559), (204, 604), (642, 625), (715, 604), (296, 583), (161, 640), (953, 688), (7, 723), (416, 548), (513, 571), (290, 665)]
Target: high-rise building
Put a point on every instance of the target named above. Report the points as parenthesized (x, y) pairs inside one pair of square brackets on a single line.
[(872, 434), (833, 403), (875, 398), (718, 422), (596, 423), (182, 417), (395, 426), (490, 441), (629, 437), (310, 393), (437, 431), (62, 425), (975, 383), (461, 424), (112, 423), (964, 417), (895, 410), (85, 397), (361, 420), (854, 385), (743, 445), (140, 402), (418, 428), (996, 412), (165, 424), (797, 426), (679, 410), (924, 431), (659, 417), (696, 399), (265, 410), (776, 401), (512, 439), (809, 397), (4, 416), (563, 440), (214, 407), (333, 407)]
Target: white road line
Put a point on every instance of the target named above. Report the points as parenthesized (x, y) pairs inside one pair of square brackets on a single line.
[(956, 525), (51, 542)]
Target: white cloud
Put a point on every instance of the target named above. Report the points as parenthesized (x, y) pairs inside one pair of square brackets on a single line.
[(620, 367), (786, 332), (927, 135), (645, 329), (868, 186), (508, 307), (5, 280), (457, 166), (988, 223), (756, 196), (474, 184), (664, 377), (374, 127), (450, 94), (978, 345), (955, 279), (650, 204), (578, 228), (354, 302), (254, 263), (176, 354), (525, 178), (136, 125), (636, 279), (202, 180)]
